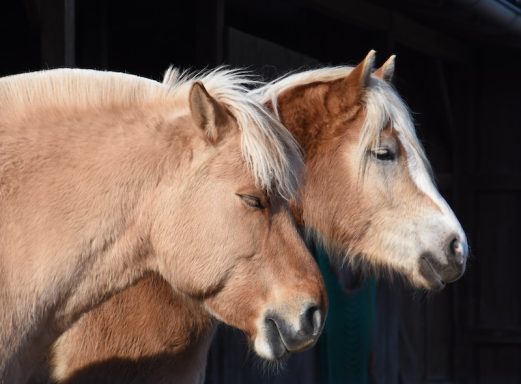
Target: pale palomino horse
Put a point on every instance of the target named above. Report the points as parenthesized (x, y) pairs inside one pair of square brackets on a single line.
[(107, 176), (367, 196)]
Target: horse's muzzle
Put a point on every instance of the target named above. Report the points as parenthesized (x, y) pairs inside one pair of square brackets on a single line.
[(438, 273), (284, 337)]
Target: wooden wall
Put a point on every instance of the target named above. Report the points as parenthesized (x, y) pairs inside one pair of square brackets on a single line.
[(467, 104)]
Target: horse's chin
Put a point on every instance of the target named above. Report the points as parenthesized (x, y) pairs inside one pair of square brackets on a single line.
[(434, 274), (269, 344), (434, 285)]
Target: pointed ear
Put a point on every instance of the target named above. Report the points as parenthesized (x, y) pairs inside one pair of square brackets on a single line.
[(386, 71), (208, 113), (348, 91)]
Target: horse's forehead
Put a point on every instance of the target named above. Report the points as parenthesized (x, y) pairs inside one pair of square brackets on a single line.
[(229, 161)]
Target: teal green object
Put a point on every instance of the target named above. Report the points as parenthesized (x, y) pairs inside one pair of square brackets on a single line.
[(345, 345)]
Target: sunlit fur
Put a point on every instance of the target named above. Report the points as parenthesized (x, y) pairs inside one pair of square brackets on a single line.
[(105, 177), (382, 104), (382, 108), (268, 147), (343, 197)]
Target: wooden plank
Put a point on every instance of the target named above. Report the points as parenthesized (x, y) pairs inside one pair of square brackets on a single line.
[(403, 29), (93, 40), (69, 30), (499, 117), (496, 254), (496, 336), (209, 32), (438, 338), (480, 181), (361, 13), (265, 57), (57, 30), (495, 292), (462, 92), (386, 367), (427, 40), (19, 37), (498, 364), (495, 182)]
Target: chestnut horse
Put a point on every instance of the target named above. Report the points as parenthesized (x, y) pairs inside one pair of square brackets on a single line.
[(368, 196), (107, 176)]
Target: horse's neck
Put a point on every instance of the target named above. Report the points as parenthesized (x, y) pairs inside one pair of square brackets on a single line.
[(70, 227), (39, 313), (189, 366), (194, 329), (175, 339)]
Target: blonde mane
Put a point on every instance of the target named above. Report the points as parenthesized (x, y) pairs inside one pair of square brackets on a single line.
[(75, 88), (268, 148), (382, 103)]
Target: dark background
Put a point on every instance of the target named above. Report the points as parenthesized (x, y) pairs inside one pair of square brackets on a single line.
[(459, 69)]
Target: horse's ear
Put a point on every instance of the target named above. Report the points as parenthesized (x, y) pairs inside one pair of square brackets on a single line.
[(386, 71), (208, 113), (347, 91)]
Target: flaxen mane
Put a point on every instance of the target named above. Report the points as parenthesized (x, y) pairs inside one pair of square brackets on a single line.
[(382, 103), (269, 149)]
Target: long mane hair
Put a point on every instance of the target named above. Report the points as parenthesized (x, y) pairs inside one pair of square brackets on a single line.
[(382, 103), (268, 148)]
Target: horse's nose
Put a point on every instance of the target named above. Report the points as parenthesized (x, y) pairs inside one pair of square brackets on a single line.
[(457, 253), (300, 336), (311, 321)]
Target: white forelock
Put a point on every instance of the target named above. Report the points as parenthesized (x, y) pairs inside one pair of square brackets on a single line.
[(269, 148), (382, 103)]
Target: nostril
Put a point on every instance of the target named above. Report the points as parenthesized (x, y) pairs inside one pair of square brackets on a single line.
[(312, 320), (457, 251), (317, 322)]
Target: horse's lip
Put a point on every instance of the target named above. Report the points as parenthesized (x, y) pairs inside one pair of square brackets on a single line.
[(272, 325), (437, 284)]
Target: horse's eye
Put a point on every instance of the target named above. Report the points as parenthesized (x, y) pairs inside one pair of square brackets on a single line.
[(384, 154), (252, 201)]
